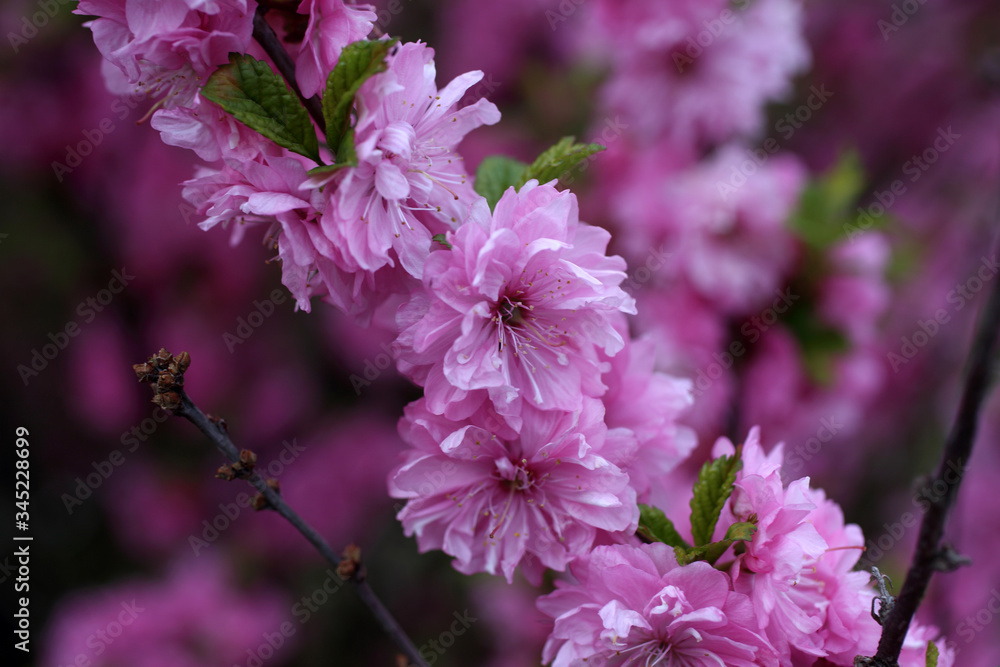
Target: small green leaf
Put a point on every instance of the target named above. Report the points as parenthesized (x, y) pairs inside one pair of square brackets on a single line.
[(495, 174), (558, 161), (358, 62), (711, 491), (325, 169), (442, 239), (931, 657), (253, 94), (828, 203), (656, 527), (738, 532)]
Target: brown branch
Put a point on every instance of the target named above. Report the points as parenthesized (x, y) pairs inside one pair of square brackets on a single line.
[(930, 554), (166, 374), (268, 40)]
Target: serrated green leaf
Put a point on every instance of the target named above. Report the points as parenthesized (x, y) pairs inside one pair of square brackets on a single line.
[(558, 161), (358, 62), (253, 94), (711, 491), (495, 174), (656, 527), (442, 239), (931, 657)]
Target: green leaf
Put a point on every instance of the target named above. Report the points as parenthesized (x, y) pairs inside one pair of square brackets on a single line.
[(495, 174), (346, 155), (931, 657), (827, 204), (442, 239), (738, 532), (820, 346), (711, 491), (656, 527), (253, 94), (358, 62), (558, 161)]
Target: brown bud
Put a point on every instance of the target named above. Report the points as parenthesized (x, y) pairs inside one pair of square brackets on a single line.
[(167, 381), (247, 459), (145, 372), (220, 422), (259, 502), (162, 358), (169, 400), (226, 473), (350, 564), (275, 486), (183, 360)]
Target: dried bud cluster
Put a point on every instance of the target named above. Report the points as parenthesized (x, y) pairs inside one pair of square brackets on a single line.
[(166, 373), (242, 469)]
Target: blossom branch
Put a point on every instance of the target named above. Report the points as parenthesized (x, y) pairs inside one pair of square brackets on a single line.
[(268, 40), (166, 374), (930, 554)]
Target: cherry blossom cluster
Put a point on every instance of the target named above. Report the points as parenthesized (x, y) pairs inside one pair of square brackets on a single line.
[(543, 423), (788, 596)]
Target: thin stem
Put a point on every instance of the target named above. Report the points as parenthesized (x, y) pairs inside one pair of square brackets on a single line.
[(217, 435), (264, 34), (930, 555)]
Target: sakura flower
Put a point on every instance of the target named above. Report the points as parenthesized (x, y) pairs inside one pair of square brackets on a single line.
[(647, 404), (669, 84), (516, 310), (494, 498), (635, 607), (783, 545), (406, 134), (167, 48), (332, 26), (726, 230)]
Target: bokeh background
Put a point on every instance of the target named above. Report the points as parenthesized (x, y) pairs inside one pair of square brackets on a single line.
[(102, 263)]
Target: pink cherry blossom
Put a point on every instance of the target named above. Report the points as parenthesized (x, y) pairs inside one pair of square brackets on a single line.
[(647, 404), (495, 498), (170, 47), (635, 607), (683, 74), (410, 183), (516, 311), (333, 24)]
